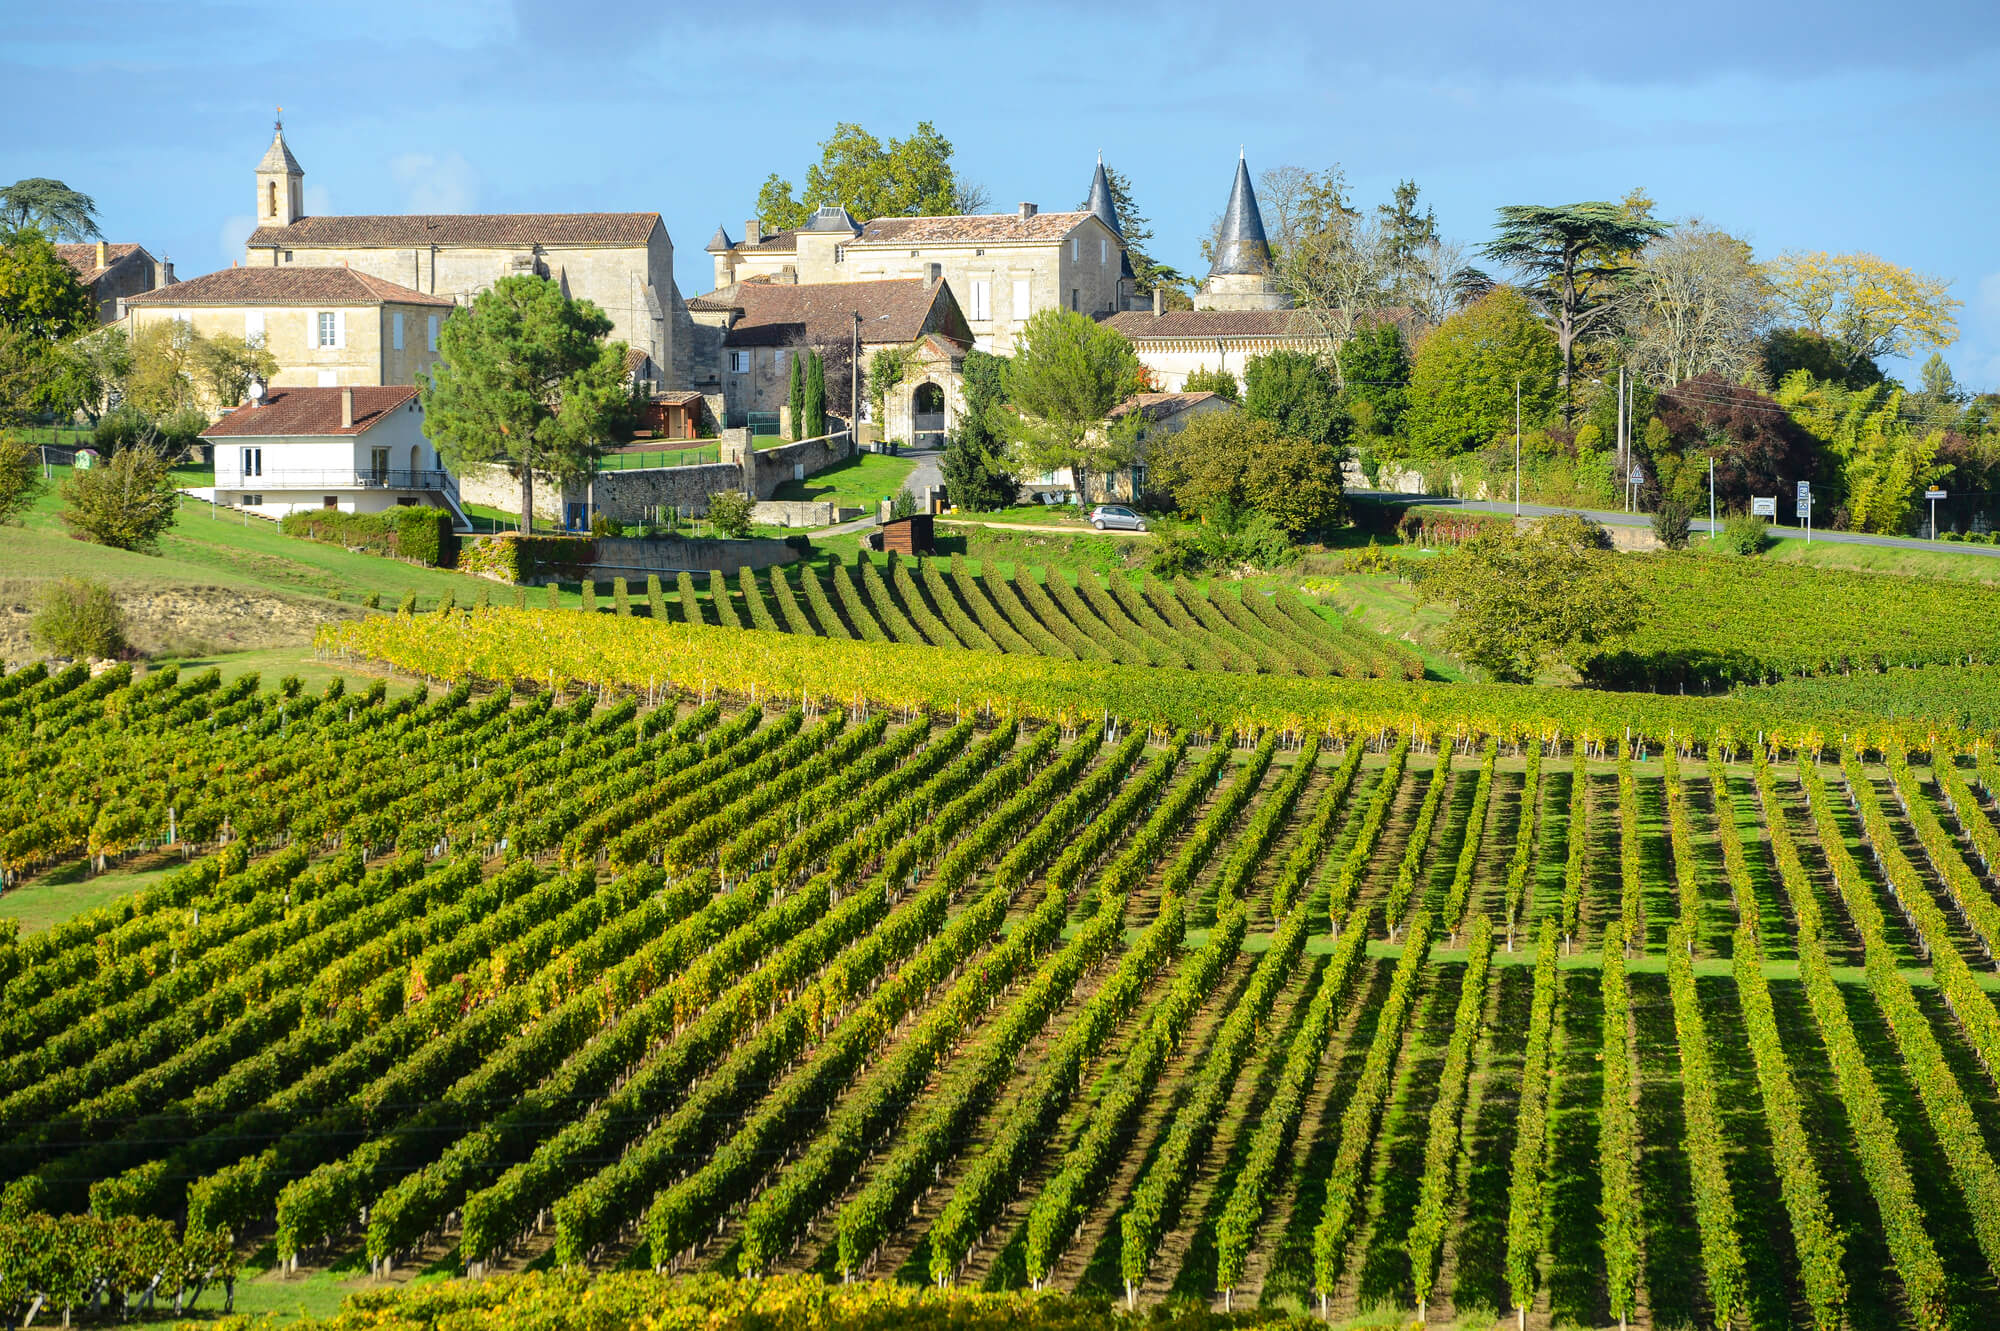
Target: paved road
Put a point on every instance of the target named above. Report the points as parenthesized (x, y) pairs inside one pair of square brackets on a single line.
[(1085, 530), (1611, 517)]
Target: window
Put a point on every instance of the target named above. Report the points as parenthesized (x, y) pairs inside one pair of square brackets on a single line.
[(433, 335), (329, 329), (982, 300), (273, 194), (778, 360), (1073, 295), (739, 362), (250, 462), (253, 328), (331, 501), (1103, 250), (1020, 298), (250, 501), (378, 465), (396, 331), (1075, 249)]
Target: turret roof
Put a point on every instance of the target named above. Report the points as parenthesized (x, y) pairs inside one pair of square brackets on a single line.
[(1240, 247), (278, 157), (1100, 205)]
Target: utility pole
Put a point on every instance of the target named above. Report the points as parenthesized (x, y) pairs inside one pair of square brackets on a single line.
[(854, 390), (1711, 498), (1517, 447), (1624, 461)]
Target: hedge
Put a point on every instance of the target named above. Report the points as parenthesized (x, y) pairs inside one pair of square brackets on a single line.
[(512, 557), (418, 533)]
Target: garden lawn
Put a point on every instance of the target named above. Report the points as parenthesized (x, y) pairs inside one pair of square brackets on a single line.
[(856, 483)]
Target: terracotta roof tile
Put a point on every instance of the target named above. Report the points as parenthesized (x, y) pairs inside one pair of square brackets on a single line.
[(499, 229), (1158, 406), (304, 412), (286, 286), (1139, 325), (778, 314), (998, 228)]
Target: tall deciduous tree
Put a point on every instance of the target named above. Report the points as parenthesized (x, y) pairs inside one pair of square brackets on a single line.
[(1462, 378), (525, 378), (1696, 303), (1067, 373), (1524, 601), (1569, 255), (910, 177), (39, 293), (1296, 392), (50, 206), (1213, 379), (1867, 305)]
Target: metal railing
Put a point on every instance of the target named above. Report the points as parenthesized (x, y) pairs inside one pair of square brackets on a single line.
[(649, 461), (304, 478)]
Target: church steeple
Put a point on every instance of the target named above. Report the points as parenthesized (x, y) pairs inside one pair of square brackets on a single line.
[(1240, 248), (1101, 206), (280, 183)]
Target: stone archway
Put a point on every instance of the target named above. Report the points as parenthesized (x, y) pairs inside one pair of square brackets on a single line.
[(927, 415)]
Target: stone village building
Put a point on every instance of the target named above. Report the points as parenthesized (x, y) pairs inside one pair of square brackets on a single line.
[(326, 327), (621, 262), (112, 272)]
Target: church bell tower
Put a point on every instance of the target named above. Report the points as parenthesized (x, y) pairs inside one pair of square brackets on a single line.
[(280, 184)]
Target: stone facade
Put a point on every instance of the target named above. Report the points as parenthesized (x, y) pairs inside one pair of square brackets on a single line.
[(327, 328), (114, 272), (632, 558), (1173, 344), (622, 262)]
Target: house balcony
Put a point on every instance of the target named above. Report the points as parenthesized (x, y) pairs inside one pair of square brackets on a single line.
[(334, 478)]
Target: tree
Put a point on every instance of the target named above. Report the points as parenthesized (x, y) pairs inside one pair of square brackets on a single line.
[(1463, 375), (1523, 601), (127, 502), (166, 364), (1788, 349), (49, 206), (1884, 463), (1295, 481), (1569, 255), (975, 477), (81, 374), (796, 395), (983, 377), (1067, 372), (1136, 228), (1375, 368), (1337, 275), (20, 478), (1696, 303), (729, 513), (525, 378), (1866, 305), (815, 397), (1406, 235), (224, 366), (1438, 284), (1758, 448), (910, 177), (1296, 392), (79, 618), (1226, 460), (1218, 381), (39, 293)]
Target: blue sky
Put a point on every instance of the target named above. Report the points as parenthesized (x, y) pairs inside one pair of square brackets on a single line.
[(1814, 126)]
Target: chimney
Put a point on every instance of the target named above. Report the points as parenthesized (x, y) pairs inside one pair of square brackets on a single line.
[(103, 255), (346, 408), (1028, 210), (753, 231), (167, 272), (1159, 301)]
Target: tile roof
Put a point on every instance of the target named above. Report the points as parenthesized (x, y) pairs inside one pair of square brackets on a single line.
[(998, 228), (83, 258), (1140, 325), (294, 412), (771, 242), (1158, 406), (501, 229), (286, 286), (780, 314)]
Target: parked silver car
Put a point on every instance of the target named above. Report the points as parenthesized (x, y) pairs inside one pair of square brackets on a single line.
[(1116, 516)]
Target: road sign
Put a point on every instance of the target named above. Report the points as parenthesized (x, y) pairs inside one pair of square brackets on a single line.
[(1638, 477), (1934, 493), (1805, 494), (1764, 508)]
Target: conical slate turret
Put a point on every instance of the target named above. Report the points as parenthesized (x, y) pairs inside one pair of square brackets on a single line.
[(1240, 249), (1100, 205)]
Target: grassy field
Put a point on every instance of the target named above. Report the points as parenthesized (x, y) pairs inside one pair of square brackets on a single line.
[(856, 483)]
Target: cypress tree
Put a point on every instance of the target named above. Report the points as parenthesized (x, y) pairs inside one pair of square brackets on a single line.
[(815, 398), (798, 398)]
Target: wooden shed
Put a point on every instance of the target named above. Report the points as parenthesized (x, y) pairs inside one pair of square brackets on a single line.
[(909, 536)]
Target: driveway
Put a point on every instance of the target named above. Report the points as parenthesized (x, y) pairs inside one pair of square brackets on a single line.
[(1614, 518)]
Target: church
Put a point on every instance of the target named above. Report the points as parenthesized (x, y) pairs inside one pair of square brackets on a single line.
[(621, 262)]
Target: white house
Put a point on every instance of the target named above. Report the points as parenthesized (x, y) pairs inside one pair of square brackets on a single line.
[(360, 450)]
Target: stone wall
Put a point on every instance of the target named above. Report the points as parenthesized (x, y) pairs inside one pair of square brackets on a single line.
[(491, 486), (631, 558), (794, 462), (802, 513), (634, 496)]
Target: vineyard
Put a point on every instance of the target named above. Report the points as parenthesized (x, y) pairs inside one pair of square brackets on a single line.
[(1711, 623), (1122, 620), (1367, 1006)]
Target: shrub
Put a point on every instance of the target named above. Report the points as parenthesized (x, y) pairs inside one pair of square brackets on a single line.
[(373, 601), (1745, 534), (1671, 522), (1952, 536), (621, 597), (416, 533), (127, 503), (446, 602), (520, 598), (512, 557), (603, 525), (656, 598), (589, 596), (78, 618), (408, 605), (904, 505), (1176, 554), (555, 597), (729, 512), (20, 477)]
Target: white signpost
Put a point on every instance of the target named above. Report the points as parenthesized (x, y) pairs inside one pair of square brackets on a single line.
[(1764, 506), (1805, 508), (1934, 494)]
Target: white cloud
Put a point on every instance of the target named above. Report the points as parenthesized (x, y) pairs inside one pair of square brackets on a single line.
[(441, 184), (235, 231)]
